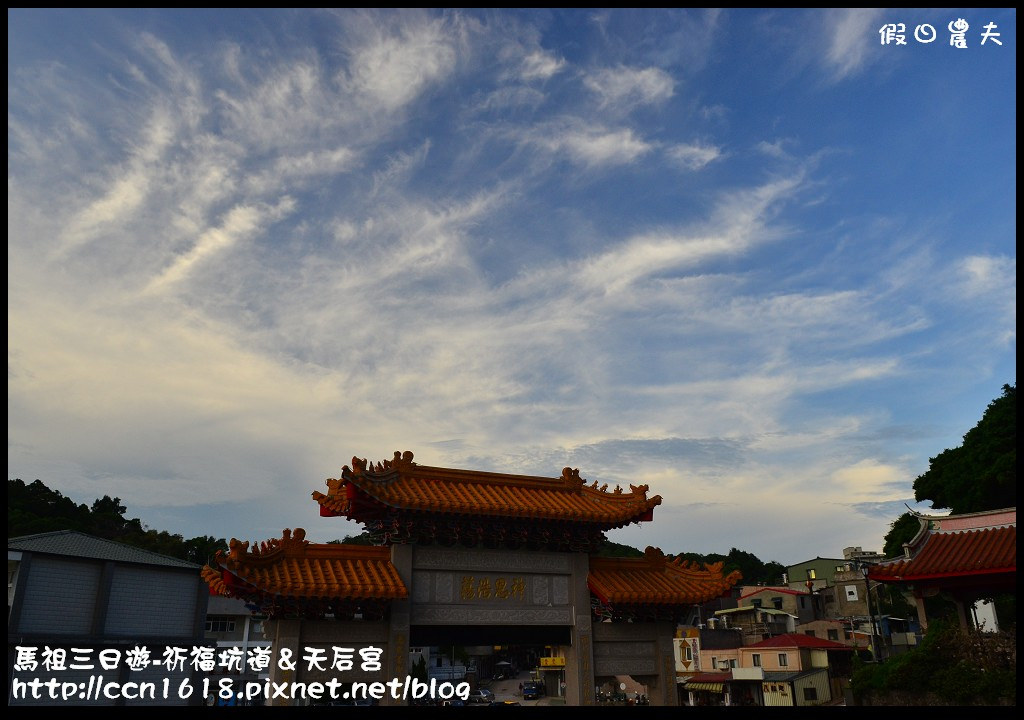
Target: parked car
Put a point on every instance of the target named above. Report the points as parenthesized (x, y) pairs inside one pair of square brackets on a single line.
[(532, 690), (482, 695)]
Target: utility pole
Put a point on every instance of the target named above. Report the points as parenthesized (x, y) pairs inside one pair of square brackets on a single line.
[(864, 569)]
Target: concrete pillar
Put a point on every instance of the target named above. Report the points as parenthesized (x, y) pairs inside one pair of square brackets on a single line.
[(286, 650), (396, 661), (663, 691), (579, 661)]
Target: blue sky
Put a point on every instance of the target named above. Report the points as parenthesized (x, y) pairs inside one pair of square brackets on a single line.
[(755, 259)]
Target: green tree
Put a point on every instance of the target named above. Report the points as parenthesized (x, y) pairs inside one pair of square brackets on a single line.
[(362, 538), (902, 530), (35, 508), (613, 549), (981, 474)]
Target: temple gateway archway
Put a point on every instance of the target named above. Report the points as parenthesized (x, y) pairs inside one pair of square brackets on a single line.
[(464, 557)]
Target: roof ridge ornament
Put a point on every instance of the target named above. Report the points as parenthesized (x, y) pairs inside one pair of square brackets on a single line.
[(571, 477), (655, 557), (360, 466)]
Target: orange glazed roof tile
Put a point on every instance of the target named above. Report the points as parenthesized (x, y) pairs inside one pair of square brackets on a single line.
[(973, 552), (402, 484), (293, 567), (944, 548), (654, 580)]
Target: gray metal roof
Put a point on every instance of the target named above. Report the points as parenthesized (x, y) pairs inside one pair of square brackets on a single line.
[(790, 676), (77, 544)]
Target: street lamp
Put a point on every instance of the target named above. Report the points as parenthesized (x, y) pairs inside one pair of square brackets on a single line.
[(864, 569)]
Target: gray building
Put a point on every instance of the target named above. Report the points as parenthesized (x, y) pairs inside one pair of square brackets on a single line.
[(96, 622)]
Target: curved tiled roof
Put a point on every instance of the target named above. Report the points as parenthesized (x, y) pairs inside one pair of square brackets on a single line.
[(401, 484), (292, 567), (950, 554), (655, 580)]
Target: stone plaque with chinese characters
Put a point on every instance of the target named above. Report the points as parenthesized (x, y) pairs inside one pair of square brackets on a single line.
[(455, 586)]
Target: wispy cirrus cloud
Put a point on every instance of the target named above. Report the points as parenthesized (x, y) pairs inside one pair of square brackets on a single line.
[(480, 236), (592, 146), (241, 222), (624, 88), (539, 65), (693, 157), (393, 67), (851, 37)]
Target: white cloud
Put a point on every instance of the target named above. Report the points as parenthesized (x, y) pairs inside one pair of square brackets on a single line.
[(869, 480), (241, 222), (624, 88), (775, 149), (993, 281), (590, 146), (342, 260), (393, 68), (694, 157), (851, 34), (511, 97), (984, 275), (738, 224), (539, 65)]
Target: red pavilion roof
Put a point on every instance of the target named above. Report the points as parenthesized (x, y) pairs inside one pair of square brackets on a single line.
[(655, 580), (956, 546), (366, 491), (292, 567)]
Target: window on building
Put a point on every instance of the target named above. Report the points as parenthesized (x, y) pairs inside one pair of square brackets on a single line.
[(847, 635), (756, 659), (833, 635), (689, 652), (714, 662), (811, 574), (756, 602), (810, 693), (220, 624), (783, 659), (809, 632), (777, 603), (733, 663), (851, 593)]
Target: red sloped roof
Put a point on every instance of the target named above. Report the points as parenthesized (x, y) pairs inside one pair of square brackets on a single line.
[(951, 554), (295, 568), (799, 641), (365, 491), (654, 580)]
